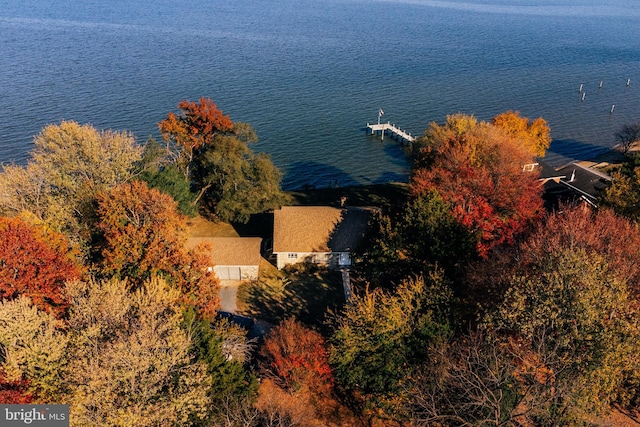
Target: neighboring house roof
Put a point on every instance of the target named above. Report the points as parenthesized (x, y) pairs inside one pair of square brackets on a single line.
[(574, 180), (230, 250), (318, 228)]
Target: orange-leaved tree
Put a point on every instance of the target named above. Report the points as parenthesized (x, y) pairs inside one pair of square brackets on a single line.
[(295, 356), (195, 128), (535, 135), (144, 235), (477, 168), (36, 263)]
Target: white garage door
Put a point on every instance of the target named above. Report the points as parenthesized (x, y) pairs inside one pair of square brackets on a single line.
[(228, 273)]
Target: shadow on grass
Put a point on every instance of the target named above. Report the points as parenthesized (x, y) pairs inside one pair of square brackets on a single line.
[(386, 196), (305, 291)]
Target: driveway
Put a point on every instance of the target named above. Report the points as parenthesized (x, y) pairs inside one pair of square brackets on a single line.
[(228, 295)]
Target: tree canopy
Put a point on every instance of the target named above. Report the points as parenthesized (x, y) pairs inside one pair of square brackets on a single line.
[(382, 336), (230, 180), (568, 296), (143, 235), (69, 165), (535, 135), (35, 263), (477, 168)]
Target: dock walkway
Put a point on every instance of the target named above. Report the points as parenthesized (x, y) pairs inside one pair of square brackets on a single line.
[(392, 129)]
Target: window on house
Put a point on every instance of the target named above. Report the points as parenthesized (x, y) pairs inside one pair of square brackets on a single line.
[(292, 256)]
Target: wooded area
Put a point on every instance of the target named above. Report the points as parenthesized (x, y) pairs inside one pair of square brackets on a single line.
[(472, 305)]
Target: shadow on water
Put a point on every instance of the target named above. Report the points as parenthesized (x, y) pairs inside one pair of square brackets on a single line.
[(398, 153), (563, 151), (309, 175), (387, 177)]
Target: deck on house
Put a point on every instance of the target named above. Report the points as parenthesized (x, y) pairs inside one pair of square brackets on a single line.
[(392, 129)]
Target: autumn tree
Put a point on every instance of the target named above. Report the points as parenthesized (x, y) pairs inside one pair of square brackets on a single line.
[(35, 263), (195, 128), (130, 361), (577, 228), (623, 195), (477, 168), (294, 355), (535, 135), (231, 181), (70, 164), (567, 296), (472, 380), (383, 336), (34, 351), (571, 298), (14, 392), (143, 235), (294, 364)]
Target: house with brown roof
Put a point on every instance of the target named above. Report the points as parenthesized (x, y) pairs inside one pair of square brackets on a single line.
[(317, 234), (232, 258)]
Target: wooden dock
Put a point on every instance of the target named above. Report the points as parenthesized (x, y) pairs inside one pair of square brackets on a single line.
[(391, 129)]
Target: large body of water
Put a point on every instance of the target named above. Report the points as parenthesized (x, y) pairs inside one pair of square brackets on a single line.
[(309, 74)]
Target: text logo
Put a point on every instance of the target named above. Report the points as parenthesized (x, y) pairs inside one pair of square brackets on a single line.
[(34, 415)]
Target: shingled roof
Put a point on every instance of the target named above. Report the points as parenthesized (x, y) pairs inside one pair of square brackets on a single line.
[(230, 250), (318, 228), (572, 181)]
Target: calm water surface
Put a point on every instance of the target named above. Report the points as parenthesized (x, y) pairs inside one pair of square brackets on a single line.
[(308, 75)]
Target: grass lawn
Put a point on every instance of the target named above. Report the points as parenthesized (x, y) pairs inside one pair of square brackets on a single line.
[(307, 292), (201, 227), (386, 196)]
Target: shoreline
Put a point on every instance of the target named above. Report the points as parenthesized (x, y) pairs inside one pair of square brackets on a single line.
[(609, 159)]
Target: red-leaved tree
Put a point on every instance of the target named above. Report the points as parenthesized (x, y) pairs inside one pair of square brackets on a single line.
[(36, 263), (195, 128), (478, 168), (14, 392), (295, 356)]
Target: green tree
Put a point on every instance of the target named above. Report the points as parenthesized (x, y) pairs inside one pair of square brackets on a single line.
[(234, 183), (423, 236), (382, 337), (159, 172), (225, 350), (231, 181)]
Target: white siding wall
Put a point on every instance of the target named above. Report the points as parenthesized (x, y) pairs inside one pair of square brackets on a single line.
[(333, 259)]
